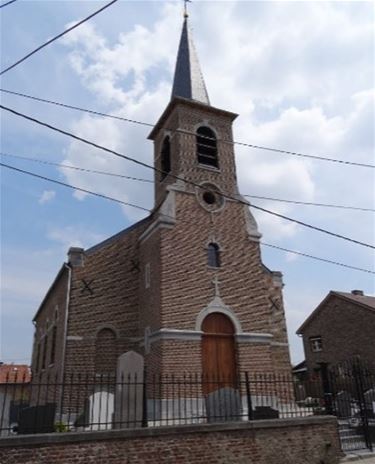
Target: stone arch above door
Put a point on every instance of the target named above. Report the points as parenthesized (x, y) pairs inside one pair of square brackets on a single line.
[(217, 306)]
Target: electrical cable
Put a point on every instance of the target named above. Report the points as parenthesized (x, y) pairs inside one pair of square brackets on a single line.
[(76, 168), (64, 184), (133, 121), (141, 163), (123, 176), (309, 203), (150, 211), (7, 3), (57, 37), (318, 258)]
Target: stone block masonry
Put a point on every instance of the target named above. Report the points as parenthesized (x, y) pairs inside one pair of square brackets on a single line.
[(312, 440)]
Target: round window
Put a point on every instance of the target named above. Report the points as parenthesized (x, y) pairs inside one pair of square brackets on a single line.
[(210, 197)]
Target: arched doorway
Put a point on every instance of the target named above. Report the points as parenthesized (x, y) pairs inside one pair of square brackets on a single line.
[(218, 352)]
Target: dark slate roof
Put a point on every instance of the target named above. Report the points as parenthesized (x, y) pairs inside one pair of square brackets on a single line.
[(362, 301), (188, 79), (117, 236), (63, 268)]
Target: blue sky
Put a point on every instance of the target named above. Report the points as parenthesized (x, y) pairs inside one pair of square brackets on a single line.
[(300, 74)]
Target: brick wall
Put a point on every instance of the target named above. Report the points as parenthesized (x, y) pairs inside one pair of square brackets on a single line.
[(113, 272), (51, 314), (302, 441), (109, 292), (346, 331)]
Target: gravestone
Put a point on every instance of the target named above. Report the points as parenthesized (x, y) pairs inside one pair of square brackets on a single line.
[(129, 390), (37, 419), (343, 404), (100, 408), (223, 404), (265, 412), (370, 400), (4, 414)]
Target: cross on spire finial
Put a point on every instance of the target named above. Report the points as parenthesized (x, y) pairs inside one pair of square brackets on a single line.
[(216, 282), (186, 15)]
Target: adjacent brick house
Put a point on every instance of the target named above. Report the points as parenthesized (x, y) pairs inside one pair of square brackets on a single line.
[(340, 328), (185, 286)]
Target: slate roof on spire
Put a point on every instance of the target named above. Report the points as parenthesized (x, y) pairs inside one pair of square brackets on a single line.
[(188, 79)]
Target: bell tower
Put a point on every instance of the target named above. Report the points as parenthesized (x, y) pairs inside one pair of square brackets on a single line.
[(192, 139), (201, 276)]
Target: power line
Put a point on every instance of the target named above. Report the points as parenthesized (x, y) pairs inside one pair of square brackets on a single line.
[(77, 108), (77, 168), (142, 123), (57, 37), (318, 258), (7, 3), (141, 163), (64, 184), (309, 203), (310, 226), (123, 176), (150, 211)]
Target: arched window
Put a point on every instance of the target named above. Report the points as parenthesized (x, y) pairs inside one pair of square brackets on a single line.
[(213, 255), (207, 147), (165, 158), (105, 352)]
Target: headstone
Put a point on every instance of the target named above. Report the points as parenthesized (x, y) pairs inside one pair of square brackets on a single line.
[(4, 414), (129, 390), (370, 400), (343, 404), (223, 404), (265, 412), (37, 419), (100, 408)]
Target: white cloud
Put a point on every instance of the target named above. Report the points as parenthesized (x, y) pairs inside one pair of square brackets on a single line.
[(300, 74), (119, 75), (47, 196), (77, 236)]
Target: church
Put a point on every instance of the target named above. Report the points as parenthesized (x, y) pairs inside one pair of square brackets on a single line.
[(185, 287)]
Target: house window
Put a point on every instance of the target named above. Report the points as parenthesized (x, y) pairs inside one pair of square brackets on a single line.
[(207, 147), (53, 345), (147, 276), (213, 255), (165, 158), (316, 344)]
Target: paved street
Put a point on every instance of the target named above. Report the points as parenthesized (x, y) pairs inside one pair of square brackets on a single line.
[(360, 458)]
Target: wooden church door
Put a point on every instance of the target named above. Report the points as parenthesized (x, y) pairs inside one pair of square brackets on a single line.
[(218, 352)]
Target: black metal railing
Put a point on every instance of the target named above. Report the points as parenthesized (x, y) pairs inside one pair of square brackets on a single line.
[(102, 402)]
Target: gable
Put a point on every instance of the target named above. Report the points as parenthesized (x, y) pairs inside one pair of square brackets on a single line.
[(359, 302)]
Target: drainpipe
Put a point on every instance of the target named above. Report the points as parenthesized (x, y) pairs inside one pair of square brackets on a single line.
[(65, 330)]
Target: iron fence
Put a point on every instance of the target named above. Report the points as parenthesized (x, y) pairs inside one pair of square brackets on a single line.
[(103, 402)]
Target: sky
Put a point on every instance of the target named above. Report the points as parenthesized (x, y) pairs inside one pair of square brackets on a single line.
[(299, 74)]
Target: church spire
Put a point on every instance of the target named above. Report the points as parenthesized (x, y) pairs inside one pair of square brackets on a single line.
[(188, 79)]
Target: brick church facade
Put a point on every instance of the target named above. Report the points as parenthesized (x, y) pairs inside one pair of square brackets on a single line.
[(186, 286)]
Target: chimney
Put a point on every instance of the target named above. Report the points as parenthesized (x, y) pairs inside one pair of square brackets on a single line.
[(358, 292), (76, 256)]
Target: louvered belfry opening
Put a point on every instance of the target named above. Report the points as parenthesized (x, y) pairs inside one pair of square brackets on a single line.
[(207, 147), (165, 158)]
